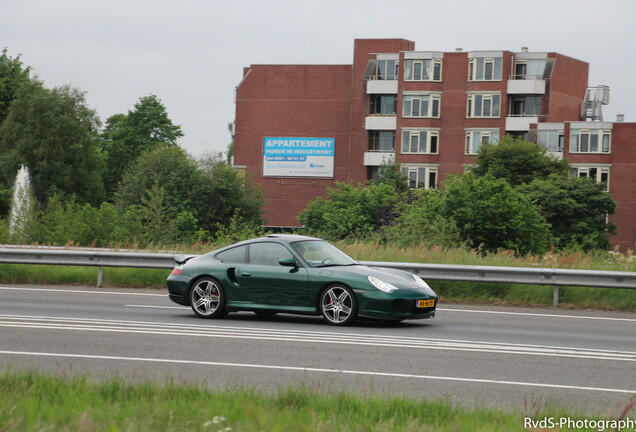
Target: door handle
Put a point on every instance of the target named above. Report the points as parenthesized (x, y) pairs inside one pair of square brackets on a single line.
[(246, 274)]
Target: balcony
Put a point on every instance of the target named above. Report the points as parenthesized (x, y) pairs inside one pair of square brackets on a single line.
[(526, 86), (382, 86), (380, 122), (377, 158), (520, 123)]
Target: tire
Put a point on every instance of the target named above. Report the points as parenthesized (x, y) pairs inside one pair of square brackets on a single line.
[(207, 298), (338, 305)]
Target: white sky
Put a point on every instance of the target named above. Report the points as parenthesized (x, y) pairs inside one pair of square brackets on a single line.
[(191, 53)]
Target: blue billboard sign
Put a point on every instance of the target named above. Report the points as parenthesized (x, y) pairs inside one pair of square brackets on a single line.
[(298, 157)]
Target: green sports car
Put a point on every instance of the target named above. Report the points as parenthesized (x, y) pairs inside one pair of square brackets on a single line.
[(296, 274)]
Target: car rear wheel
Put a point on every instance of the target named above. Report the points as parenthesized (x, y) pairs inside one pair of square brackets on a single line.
[(338, 305), (207, 298)]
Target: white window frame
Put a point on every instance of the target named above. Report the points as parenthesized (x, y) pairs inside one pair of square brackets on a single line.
[(576, 143), (432, 135), (416, 171), (597, 172), (474, 72), (386, 76), (472, 146), (548, 145), (471, 103), (419, 98), (425, 64)]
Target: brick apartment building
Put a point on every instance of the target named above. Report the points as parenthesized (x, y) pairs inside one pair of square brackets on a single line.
[(300, 128)]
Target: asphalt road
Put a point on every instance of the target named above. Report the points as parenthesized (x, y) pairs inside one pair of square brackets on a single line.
[(474, 355)]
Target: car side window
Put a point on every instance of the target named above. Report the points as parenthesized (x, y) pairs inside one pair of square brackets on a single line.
[(268, 253), (234, 255)]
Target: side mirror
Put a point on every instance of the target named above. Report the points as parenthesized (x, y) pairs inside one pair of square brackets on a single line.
[(288, 262)]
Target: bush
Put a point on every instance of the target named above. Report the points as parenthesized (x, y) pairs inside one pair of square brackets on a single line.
[(350, 212), (491, 215), (422, 221)]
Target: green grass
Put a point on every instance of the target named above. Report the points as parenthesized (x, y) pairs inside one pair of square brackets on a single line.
[(598, 298), (35, 402)]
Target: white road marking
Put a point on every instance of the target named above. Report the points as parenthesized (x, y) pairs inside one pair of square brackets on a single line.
[(226, 332), (97, 291), (542, 315), (319, 370)]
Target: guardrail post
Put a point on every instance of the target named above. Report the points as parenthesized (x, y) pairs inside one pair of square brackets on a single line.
[(100, 276), (555, 297)]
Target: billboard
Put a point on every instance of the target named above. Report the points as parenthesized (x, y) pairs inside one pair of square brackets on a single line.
[(298, 157)]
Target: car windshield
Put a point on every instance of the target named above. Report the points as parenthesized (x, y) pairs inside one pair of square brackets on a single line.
[(319, 253)]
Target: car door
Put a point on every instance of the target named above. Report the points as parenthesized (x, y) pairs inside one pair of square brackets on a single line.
[(264, 281)]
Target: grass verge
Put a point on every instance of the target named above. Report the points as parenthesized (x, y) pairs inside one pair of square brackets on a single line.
[(32, 401)]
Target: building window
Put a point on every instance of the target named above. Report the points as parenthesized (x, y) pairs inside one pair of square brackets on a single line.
[(424, 105), (535, 69), (600, 174), (483, 105), (420, 177), (475, 138), (382, 141), (523, 106), (423, 70), (590, 141), (423, 141), (551, 140), (387, 70), (384, 104), (484, 69)]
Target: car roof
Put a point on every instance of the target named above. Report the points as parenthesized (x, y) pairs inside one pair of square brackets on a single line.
[(289, 238), (281, 238)]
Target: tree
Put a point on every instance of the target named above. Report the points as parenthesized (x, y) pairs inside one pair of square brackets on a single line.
[(518, 161), (154, 190), (491, 214), (422, 220), (184, 198), (223, 194), (53, 133), (12, 76), (170, 169), (126, 137), (351, 212), (576, 209)]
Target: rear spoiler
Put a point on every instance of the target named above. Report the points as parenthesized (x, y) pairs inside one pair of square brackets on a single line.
[(182, 259)]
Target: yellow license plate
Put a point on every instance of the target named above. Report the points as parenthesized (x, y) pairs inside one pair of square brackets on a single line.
[(425, 303)]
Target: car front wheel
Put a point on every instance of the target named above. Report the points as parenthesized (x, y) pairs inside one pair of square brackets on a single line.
[(207, 298), (338, 305)]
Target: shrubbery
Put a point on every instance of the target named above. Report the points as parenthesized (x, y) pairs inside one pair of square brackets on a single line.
[(517, 198)]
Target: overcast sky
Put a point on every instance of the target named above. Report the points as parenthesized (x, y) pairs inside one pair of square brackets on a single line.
[(191, 53)]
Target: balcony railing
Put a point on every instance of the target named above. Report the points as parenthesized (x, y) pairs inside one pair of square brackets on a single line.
[(383, 77), (525, 77), (378, 158)]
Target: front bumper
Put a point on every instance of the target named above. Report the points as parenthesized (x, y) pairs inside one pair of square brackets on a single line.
[(395, 306)]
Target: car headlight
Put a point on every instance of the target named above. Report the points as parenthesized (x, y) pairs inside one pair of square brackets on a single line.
[(382, 286)]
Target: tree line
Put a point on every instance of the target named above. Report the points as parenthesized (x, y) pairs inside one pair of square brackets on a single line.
[(126, 181)]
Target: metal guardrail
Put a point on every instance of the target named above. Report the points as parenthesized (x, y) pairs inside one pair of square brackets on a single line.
[(517, 275), (99, 258)]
